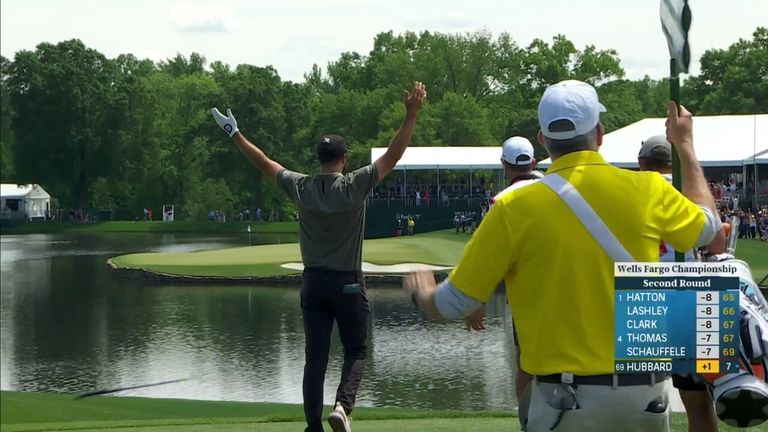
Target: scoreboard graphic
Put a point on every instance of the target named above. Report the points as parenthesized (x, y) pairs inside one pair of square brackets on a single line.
[(676, 317)]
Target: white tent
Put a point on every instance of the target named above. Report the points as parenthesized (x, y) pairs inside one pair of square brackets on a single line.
[(28, 201), (724, 141), (720, 141), (422, 158), (760, 158), (752, 164), (446, 158)]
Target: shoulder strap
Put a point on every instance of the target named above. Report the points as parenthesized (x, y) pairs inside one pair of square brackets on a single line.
[(591, 221)]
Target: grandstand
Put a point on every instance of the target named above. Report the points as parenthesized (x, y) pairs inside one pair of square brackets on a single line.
[(434, 183)]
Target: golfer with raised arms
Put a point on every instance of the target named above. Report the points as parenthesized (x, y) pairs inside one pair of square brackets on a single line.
[(331, 225)]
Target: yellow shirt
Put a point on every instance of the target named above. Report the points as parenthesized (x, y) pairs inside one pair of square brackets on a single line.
[(559, 280)]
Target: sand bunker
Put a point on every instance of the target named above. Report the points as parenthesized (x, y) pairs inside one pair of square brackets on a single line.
[(369, 268)]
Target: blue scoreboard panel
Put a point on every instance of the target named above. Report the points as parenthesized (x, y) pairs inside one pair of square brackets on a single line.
[(676, 317)]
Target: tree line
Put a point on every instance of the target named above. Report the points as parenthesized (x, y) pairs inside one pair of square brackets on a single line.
[(127, 133)]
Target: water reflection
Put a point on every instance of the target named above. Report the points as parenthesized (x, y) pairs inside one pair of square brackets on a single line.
[(67, 325)]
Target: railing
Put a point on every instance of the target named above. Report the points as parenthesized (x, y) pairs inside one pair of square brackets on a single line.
[(464, 202)]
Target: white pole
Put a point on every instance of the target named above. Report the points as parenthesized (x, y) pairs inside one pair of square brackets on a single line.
[(405, 184), (437, 197), (469, 195), (743, 193), (754, 162)]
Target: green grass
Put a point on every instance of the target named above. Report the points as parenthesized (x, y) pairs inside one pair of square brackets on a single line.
[(21, 411), (438, 248), (154, 226), (755, 253)]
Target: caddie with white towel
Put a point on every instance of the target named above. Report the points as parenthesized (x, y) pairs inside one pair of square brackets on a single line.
[(555, 243)]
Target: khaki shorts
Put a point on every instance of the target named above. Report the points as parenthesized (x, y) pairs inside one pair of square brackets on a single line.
[(600, 409)]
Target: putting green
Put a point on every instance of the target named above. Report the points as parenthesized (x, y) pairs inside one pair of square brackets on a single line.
[(441, 248)]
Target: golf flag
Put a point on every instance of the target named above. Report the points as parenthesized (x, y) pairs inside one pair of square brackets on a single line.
[(249, 228), (676, 21)]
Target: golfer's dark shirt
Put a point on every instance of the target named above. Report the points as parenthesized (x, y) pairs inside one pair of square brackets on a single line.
[(331, 215)]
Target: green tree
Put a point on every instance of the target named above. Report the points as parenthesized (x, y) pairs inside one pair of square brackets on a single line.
[(255, 96), (296, 109), (622, 104), (526, 73), (59, 94), (463, 122), (596, 67), (182, 125), (732, 80), (6, 134), (349, 72), (126, 133), (544, 64), (315, 81), (181, 65), (653, 96), (132, 146)]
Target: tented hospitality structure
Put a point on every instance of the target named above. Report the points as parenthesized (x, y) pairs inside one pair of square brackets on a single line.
[(28, 201)]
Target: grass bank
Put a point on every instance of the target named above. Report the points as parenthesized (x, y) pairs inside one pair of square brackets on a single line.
[(150, 226), (437, 248), (21, 411), (755, 253)]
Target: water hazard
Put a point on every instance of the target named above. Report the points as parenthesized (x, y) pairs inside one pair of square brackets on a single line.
[(67, 325)]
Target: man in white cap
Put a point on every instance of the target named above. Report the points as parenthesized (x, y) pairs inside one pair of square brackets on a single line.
[(559, 272), (519, 163)]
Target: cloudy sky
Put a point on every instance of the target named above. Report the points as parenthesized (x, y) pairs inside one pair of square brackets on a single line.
[(292, 35)]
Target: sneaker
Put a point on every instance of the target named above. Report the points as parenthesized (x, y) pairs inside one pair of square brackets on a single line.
[(338, 419)]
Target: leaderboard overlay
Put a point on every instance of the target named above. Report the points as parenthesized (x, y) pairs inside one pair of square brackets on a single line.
[(676, 317)]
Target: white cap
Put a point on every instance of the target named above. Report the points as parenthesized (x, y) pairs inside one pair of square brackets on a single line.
[(517, 151), (570, 100)]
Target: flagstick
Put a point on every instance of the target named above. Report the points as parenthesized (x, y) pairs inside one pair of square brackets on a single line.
[(674, 94)]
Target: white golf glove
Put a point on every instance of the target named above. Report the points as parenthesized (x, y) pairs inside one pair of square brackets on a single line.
[(228, 122)]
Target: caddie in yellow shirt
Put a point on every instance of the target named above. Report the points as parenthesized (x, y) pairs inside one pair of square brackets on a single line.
[(559, 272)]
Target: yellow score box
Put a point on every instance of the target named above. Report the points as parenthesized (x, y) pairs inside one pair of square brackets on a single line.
[(707, 366)]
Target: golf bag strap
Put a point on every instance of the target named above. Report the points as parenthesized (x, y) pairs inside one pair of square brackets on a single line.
[(587, 216)]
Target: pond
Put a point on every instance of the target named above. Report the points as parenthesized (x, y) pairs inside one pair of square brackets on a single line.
[(68, 325)]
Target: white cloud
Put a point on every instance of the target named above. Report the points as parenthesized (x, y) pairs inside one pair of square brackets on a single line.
[(202, 17), (291, 35)]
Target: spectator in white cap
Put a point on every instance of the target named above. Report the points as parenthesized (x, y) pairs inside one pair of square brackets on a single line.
[(559, 272), (519, 163)]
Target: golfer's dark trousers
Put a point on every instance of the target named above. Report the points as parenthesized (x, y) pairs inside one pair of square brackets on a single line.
[(329, 295)]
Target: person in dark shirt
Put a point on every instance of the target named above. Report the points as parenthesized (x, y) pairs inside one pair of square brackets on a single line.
[(331, 225)]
